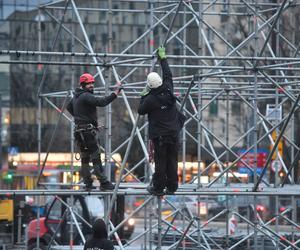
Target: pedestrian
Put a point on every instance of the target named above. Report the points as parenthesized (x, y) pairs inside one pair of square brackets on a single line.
[(159, 102), (99, 239), (83, 107)]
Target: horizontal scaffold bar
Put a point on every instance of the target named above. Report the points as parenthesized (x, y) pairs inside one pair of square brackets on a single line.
[(236, 68), (236, 3), (202, 191), (19, 53)]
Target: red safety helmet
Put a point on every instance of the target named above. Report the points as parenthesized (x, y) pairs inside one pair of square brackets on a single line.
[(86, 78)]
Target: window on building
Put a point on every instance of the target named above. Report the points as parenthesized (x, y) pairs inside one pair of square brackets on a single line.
[(140, 32), (176, 51), (211, 38), (213, 108), (104, 38), (236, 108), (225, 6), (92, 38), (297, 27), (131, 5), (115, 7), (225, 11)]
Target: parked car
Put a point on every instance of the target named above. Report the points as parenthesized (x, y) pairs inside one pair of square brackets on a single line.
[(244, 205), (197, 206), (57, 222)]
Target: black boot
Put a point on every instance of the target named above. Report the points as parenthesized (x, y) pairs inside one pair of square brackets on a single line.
[(89, 185), (171, 188), (152, 190), (86, 176), (156, 186), (169, 191), (107, 185)]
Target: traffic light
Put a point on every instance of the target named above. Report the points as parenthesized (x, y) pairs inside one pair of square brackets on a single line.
[(281, 174), (280, 146), (8, 177)]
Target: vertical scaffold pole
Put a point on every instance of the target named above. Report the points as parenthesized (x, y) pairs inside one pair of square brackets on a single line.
[(39, 134), (108, 111), (184, 131), (227, 181), (72, 87), (255, 126), (147, 170), (199, 114)]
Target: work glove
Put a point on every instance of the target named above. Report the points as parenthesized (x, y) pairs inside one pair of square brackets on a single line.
[(145, 91), (118, 88), (161, 53)]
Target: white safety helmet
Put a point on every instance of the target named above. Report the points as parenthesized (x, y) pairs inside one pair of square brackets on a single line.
[(153, 80)]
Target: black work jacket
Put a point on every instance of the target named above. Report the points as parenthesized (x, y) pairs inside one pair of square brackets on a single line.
[(83, 106), (160, 105), (98, 244), (99, 239)]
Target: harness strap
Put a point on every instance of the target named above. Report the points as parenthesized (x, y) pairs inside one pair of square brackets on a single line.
[(84, 127)]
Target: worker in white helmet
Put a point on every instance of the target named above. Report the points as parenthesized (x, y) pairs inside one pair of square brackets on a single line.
[(159, 102)]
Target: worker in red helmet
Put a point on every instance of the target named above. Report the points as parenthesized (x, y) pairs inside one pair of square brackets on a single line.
[(83, 107)]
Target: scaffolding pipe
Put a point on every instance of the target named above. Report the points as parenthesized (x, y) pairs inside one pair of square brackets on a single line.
[(276, 143)]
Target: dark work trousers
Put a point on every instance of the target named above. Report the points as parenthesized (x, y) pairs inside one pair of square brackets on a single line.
[(89, 151), (166, 163)]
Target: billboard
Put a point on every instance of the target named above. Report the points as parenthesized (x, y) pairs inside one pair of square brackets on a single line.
[(249, 158)]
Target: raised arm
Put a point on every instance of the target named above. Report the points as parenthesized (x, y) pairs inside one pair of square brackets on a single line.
[(166, 72), (103, 101), (100, 101)]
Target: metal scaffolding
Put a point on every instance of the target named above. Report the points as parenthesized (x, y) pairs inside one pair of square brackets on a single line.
[(237, 53)]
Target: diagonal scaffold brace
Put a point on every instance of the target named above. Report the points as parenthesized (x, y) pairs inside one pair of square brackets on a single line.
[(276, 144)]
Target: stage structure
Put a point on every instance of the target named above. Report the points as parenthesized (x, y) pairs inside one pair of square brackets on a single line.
[(244, 63)]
